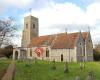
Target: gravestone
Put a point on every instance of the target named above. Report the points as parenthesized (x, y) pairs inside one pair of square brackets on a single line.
[(82, 66), (66, 67), (77, 78), (90, 76), (53, 65), (35, 60)]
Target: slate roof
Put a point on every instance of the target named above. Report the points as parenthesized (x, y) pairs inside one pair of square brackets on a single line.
[(58, 41)]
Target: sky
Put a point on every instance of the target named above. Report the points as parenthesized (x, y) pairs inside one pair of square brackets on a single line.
[(55, 16)]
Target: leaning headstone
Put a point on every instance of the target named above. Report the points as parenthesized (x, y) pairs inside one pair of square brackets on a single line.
[(66, 67), (28, 62), (90, 76), (35, 60), (82, 66), (77, 78), (54, 65)]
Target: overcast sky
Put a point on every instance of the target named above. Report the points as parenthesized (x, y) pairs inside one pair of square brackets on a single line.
[(56, 16)]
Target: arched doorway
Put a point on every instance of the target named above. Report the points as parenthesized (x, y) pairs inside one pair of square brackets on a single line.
[(61, 57), (16, 55)]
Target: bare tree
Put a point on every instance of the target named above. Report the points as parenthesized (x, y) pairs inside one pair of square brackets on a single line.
[(8, 29), (97, 47)]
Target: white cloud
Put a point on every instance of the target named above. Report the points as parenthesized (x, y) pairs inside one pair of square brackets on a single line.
[(56, 17), (58, 14), (19, 3), (93, 13), (63, 15), (67, 13), (23, 4)]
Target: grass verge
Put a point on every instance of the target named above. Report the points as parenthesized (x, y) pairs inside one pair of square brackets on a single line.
[(42, 70), (3, 66)]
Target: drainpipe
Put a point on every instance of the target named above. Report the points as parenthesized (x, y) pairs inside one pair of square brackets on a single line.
[(69, 54), (85, 53)]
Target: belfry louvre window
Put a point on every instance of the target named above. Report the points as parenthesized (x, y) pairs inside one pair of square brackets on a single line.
[(47, 52), (33, 26), (26, 25)]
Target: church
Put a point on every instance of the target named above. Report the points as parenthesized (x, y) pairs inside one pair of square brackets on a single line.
[(61, 47)]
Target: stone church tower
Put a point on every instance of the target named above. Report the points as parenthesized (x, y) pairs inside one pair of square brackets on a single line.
[(30, 30)]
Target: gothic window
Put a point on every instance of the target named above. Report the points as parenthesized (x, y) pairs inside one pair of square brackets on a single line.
[(26, 26), (30, 52), (33, 26), (80, 48), (47, 52)]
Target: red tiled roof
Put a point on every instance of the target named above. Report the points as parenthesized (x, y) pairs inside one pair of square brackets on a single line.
[(42, 40), (72, 39), (61, 41), (58, 41)]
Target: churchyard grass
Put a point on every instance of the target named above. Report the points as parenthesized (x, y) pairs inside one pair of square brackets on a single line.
[(42, 70), (3, 66)]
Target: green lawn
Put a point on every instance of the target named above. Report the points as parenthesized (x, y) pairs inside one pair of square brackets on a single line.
[(42, 70), (3, 66)]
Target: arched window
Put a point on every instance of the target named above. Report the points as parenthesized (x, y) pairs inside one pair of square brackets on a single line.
[(47, 52), (26, 25), (33, 26), (61, 57)]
